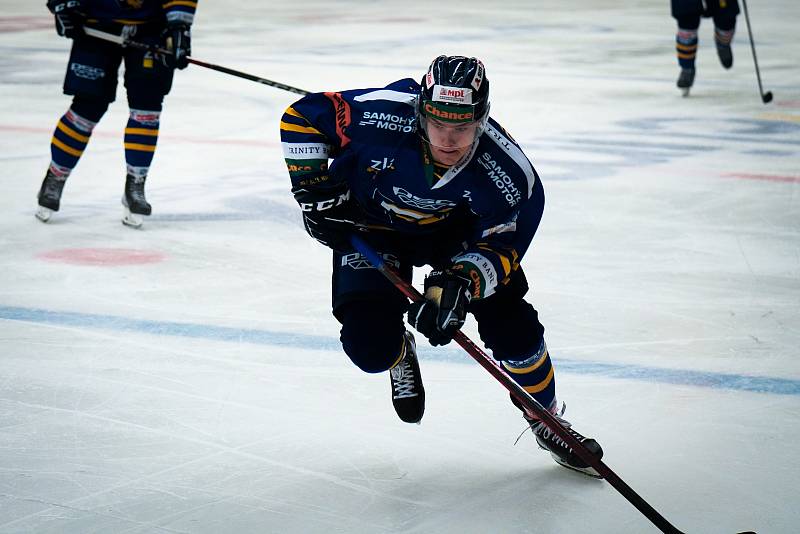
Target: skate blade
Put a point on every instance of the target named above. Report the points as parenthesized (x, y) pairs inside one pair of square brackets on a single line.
[(44, 214), (132, 220), (588, 471), (685, 92)]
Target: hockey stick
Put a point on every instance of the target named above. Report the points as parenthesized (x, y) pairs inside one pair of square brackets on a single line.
[(123, 41), (531, 405), (765, 97)]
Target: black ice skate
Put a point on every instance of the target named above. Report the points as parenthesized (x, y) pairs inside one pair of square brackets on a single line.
[(134, 201), (561, 452), (725, 53), (408, 394), (50, 195), (685, 81)]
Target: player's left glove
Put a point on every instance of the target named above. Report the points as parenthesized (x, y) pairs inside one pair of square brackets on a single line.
[(69, 19), (330, 215), (444, 309), (177, 37)]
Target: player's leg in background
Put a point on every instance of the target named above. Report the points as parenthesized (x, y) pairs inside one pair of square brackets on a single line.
[(147, 81), (724, 29), (687, 13), (91, 79)]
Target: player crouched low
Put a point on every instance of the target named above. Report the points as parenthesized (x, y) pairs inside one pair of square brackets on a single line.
[(425, 176)]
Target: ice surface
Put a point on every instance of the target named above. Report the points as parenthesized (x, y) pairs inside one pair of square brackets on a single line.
[(186, 377)]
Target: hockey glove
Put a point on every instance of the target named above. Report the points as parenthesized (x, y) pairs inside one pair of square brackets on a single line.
[(444, 309), (329, 215), (177, 38), (69, 20)]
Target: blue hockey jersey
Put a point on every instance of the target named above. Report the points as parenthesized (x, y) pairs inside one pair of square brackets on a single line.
[(139, 11), (367, 139)]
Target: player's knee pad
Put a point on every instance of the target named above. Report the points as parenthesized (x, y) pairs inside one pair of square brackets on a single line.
[(153, 102), (89, 107), (725, 22), (508, 325), (689, 22), (371, 335)]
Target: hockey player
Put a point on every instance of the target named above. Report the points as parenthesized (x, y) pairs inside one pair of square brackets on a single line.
[(687, 13), (91, 79), (427, 178)]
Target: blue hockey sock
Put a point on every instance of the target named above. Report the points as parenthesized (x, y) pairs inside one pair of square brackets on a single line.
[(141, 136), (535, 374), (686, 47)]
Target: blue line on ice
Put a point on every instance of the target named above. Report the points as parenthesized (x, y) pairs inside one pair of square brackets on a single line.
[(759, 384)]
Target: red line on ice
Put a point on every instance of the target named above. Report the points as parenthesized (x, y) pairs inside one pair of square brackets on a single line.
[(765, 177), (107, 257)]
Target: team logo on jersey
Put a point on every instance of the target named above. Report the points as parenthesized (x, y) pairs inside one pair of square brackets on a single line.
[(305, 151), (510, 226), (422, 203), (387, 121), (500, 179), (87, 72), (343, 119), (499, 139), (378, 165), (357, 261)]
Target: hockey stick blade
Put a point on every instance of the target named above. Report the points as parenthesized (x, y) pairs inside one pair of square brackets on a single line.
[(766, 97)]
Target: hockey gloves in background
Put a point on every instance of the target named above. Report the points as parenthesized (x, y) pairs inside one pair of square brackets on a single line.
[(444, 309), (329, 215), (177, 38), (69, 19)]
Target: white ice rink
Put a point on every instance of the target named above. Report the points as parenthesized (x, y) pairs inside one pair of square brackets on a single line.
[(187, 378)]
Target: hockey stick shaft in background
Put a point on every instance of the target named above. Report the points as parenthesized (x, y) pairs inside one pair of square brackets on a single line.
[(765, 97), (122, 41), (531, 405)]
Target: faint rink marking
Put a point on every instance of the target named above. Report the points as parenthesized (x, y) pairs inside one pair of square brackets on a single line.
[(763, 177), (103, 256), (636, 143), (25, 23), (219, 447), (166, 137), (202, 459), (94, 512), (707, 379), (780, 117)]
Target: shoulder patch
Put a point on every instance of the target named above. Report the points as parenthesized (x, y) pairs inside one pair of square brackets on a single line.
[(388, 94), (514, 152)]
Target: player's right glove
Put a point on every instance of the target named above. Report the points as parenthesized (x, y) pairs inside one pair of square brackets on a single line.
[(444, 309), (69, 19), (177, 38), (329, 215)]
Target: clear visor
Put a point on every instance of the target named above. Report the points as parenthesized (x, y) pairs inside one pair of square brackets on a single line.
[(449, 135), (450, 127)]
